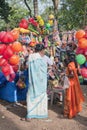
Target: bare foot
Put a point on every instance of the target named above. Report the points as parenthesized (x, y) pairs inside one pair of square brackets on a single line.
[(26, 119)]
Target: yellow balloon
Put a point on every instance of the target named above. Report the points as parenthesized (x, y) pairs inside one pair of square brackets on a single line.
[(50, 22), (51, 16), (41, 22), (38, 17)]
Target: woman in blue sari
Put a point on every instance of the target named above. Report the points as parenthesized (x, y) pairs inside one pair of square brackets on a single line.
[(37, 105)]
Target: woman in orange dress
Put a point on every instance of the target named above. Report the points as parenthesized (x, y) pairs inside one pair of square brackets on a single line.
[(73, 94)]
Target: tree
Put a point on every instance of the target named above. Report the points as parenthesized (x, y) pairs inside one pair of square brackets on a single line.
[(35, 4), (71, 14), (5, 10), (55, 4)]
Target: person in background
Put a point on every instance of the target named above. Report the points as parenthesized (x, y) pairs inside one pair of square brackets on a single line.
[(37, 103), (73, 95)]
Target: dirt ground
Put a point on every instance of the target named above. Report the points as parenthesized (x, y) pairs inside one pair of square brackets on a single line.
[(10, 115)]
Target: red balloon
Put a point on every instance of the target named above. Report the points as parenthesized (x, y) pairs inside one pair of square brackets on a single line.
[(15, 68), (23, 25), (6, 70), (3, 62), (8, 52), (84, 72), (80, 34), (2, 48), (2, 35), (8, 37)]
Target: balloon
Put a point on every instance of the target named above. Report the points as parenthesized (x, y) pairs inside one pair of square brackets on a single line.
[(82, 43), (23, 24), (7, 38), (8, 52), (80, 34), (79, 51), (15, 34), (6, 70), (2, 35), (16, 46), (41, 22), (14, 60), (2, 48), (84, 72), (31, 20), (50, 22), (51, 16), (3, 62), (47, 25), (80, 59), (85, 52), (15, 68)]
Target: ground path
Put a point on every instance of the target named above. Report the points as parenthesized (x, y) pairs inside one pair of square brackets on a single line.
[(10, 118)]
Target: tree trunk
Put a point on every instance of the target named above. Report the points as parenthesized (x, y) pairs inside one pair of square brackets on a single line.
[(35, 4), (55, 4)]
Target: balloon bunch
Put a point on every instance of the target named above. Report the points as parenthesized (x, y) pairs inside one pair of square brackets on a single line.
[(9, 59), (82, 51), (40, 20)]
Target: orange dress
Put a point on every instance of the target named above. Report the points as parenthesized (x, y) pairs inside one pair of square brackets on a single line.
[(73, 94)]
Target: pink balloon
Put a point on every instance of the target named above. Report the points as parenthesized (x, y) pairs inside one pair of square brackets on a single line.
[(80, 51), (84, 72)]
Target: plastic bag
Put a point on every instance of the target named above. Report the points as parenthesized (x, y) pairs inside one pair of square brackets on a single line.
[(66, 82)]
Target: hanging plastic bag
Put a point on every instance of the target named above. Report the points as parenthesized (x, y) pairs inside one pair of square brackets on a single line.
[(66, 82)]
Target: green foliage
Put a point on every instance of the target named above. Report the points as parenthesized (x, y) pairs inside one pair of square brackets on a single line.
[(71, 14), (5, 10)]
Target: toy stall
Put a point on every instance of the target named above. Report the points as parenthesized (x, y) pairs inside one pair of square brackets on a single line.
[(14, 54), (15, 48)]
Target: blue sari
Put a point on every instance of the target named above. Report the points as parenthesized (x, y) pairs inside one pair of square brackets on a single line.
[(37, 96)]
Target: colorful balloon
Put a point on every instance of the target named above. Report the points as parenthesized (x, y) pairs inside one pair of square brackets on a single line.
[(8, 52), (3, 62), (6, 70), (82, 43), (80, 59), (80, 34), (7, 38), (79, 51), (2, 48), (16, 46), (15, 34), (84, 72), (14, 60)]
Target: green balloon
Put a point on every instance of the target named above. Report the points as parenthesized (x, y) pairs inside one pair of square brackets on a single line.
[(48, 25), (80, 59)]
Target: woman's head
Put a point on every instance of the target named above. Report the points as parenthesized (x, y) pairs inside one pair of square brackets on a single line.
[(39, 47)]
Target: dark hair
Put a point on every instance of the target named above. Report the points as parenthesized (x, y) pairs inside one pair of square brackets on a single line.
[(39, 47)]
